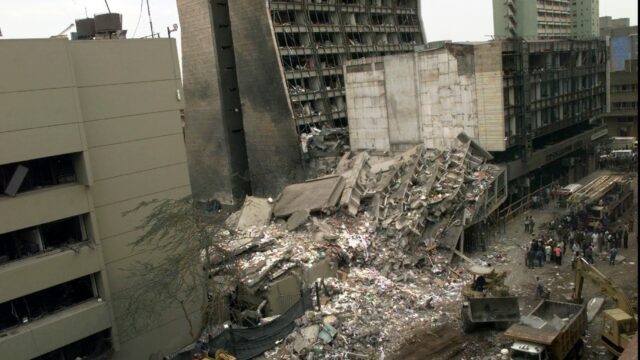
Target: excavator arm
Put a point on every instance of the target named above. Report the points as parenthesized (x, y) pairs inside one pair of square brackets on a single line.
[(584, 269)]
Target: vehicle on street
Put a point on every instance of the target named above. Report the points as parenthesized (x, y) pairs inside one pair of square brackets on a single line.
[(552, 331), (488, 302)]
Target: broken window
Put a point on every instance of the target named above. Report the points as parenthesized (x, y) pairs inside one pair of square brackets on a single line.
[(34, 306), (34, 174), (289, 40), (407, 20), (407, 38), (324, 39), (59, 234), (329, 61), (97, 347), (283, 17), (333, 82), (377, 19), (407, 4), (354, 38), (294, 62), (320, 18)]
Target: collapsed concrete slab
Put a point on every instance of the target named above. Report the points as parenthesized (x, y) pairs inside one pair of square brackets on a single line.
[(593, 307), (315, 195), (255, 212)]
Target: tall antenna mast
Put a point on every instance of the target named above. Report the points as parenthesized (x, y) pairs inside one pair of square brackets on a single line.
[(109, 10), (150, 22)]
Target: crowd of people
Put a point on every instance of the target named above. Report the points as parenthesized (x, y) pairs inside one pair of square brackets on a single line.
[(572, 233)]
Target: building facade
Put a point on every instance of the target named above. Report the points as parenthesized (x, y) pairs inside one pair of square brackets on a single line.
[(286, 58), (622, 118), (89, 129), (535, 105), (545, 19), (586, 15)]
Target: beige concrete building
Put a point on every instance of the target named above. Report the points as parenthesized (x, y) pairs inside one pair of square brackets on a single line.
[(545, 19), (88, 130)]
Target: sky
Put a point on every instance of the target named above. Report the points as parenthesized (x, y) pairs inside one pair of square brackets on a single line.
[(457, 20)]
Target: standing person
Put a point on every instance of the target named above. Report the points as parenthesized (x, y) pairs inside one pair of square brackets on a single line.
[(625, 237), (563, 246), (547, 252), (574, 256), (610, 240), (612, 256), (576, 249), (526, 224), (588, 254), (539, 289), (530, 256), (559, 255), (531, 224), (540, 256)]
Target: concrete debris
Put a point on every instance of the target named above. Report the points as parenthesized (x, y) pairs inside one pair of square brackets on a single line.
[(255, 212), (394, 212), (305, 338), (297, 219), (315, 195), (593, 307), (533, 321)]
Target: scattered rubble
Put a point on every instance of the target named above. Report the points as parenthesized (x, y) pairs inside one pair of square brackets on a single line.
[(366, 236)]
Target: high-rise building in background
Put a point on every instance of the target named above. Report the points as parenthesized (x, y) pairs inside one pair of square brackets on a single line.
[(545, 19), (622, 118), (257, 74), (89, 129), (586, 15)]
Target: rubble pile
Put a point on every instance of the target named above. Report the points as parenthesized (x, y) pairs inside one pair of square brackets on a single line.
[(375, 224), (366, 313)]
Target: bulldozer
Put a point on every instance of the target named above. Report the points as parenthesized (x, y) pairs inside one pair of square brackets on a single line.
[(487, 300)]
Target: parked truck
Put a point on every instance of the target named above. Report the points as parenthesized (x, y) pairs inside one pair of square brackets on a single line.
[(552, 331), (488, 302)]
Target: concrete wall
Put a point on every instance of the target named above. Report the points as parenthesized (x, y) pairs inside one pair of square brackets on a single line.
[(271, 138), (206, 137), (447, 95), (115, 105), (489, 95), (367, 104), (426, 97)]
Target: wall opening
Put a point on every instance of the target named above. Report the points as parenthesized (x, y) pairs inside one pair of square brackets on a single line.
[(63, 234), (37, 305), (24, 176)]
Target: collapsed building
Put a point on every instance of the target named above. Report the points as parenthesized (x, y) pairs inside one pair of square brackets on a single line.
[(375, 224)]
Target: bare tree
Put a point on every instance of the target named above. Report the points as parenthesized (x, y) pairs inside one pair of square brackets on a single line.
[(179, 239)]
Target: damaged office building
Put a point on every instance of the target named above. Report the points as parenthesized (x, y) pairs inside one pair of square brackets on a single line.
[(536, 106), (263, 76)]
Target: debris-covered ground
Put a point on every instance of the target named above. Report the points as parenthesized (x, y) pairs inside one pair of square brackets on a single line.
[(373, 242)]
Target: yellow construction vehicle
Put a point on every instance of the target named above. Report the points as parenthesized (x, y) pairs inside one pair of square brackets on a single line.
[(487, 300), (619, 325)]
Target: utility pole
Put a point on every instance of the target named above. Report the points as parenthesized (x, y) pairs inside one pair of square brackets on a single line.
[(150, 22)]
